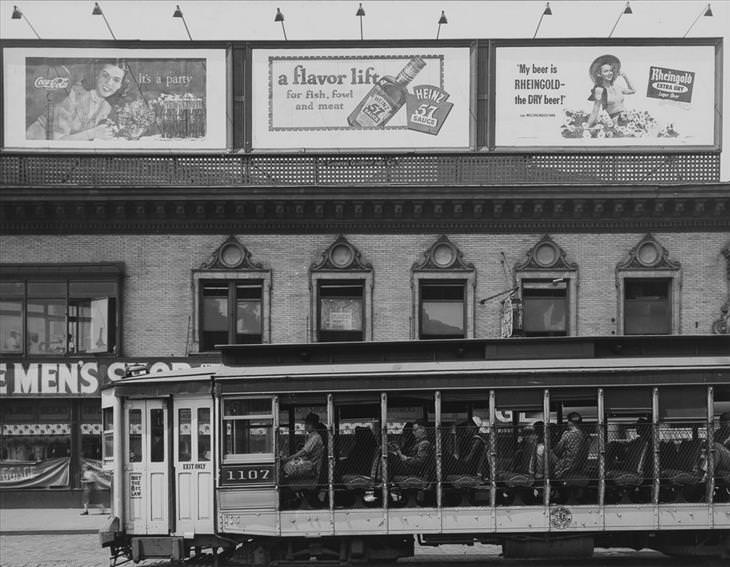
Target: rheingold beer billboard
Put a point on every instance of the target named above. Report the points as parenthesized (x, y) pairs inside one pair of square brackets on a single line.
[(648, 95), (372, 98), (133, 99)]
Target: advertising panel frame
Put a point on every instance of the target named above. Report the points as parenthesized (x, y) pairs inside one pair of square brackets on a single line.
[(293, 46), (714, 42), (222, 61)]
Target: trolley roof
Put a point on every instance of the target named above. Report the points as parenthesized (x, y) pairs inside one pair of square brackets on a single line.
[(270, 368)]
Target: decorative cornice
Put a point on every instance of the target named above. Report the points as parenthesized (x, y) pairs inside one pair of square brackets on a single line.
[(443, 255), (648, 254), (341, 256), (231, 255), (489, 210), (546, 255)]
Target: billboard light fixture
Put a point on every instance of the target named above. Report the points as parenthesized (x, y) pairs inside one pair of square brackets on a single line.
[(19, 15), (97, 11), (705, 12), (279, 17), (360, 14), (442, 21), (179, 14), (546, 12), (627, 10)]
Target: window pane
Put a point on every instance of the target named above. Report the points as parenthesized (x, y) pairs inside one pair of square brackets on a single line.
[(107, 417), (340, 314), (11, 324), (204, 434), (215, 313), (439, 318), (248, 317), (157, 435), (245, 436), (646, 307), (135, 436), (184, 436), (447, 290), (92, 316), (47, 326), (544, 315), (261, 406)]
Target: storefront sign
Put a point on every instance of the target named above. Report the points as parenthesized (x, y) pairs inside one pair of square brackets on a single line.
[(589, 96), (361, 98), (77, 378), (115, 98), (43, 474)]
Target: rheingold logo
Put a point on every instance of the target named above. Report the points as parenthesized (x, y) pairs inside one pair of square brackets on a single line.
[(56, 83), (670, 84)]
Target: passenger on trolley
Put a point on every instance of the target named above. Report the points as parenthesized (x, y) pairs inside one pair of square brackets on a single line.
[(417, 457), (306, 463), (570, 453)]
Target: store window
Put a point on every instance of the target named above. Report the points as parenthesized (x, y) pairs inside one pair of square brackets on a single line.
[(232, 299), (648, 284), (546, 292), (443, 293), (442, 309), (248, 427), (59, 310), (342, 286)]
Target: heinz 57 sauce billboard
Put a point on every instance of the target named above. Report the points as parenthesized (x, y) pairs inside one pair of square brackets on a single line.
[(602, 96), (115, 99), (361, 98)]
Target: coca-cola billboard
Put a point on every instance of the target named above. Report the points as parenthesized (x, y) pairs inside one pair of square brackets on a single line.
[(115, 98)]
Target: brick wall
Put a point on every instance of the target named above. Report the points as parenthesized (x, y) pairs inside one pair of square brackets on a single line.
[(157, 295)]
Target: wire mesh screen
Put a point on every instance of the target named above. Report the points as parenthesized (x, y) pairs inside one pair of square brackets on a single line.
[(682, 461), (629, 461), (388, 169)]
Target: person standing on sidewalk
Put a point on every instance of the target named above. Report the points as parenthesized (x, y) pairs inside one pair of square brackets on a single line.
[(88, 480)]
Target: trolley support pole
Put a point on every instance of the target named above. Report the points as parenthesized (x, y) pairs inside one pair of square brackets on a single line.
[(492, 449), (439, 471), (384, 453), (118, 478), (331, 458), (601, 449), (710, 485), (546, 413), (655, 444)]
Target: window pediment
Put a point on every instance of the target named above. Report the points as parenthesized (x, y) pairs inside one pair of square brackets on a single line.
[(648, 254), (443, 255), (546, 255), (231, 255), (341, 256)]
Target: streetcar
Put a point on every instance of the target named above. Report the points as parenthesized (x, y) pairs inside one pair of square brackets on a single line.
[(546, 446)]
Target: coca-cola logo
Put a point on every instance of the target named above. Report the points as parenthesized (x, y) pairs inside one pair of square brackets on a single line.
[(51, 84)]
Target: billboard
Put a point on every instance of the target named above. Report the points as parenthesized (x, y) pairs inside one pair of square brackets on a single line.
[(606, 96), (365, 98), (136, 99)]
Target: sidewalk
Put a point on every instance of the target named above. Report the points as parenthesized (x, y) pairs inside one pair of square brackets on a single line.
[(31, 521)]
